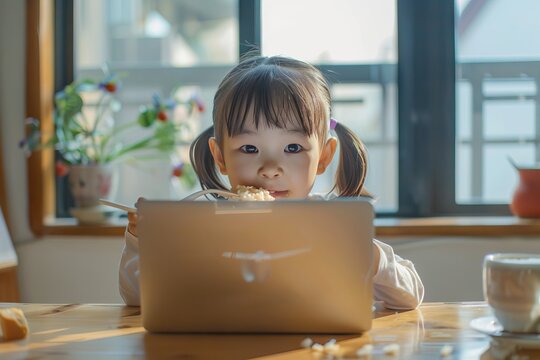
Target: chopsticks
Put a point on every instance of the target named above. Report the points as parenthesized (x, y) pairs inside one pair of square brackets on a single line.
[(195, 195)]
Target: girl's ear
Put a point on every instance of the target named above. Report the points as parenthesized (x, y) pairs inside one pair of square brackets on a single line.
[(217, 155), (327, 154)]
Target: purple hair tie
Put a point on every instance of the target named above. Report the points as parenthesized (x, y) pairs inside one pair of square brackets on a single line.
[(333, 123)]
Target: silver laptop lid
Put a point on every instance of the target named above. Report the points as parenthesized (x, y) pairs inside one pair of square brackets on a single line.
[(282, 266)]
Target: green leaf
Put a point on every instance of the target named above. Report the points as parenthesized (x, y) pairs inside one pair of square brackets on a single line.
[(165, 135), (147, 117), (72, 106)]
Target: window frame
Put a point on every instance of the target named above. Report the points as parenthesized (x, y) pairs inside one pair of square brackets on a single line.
[(426, 83), (39, 94)]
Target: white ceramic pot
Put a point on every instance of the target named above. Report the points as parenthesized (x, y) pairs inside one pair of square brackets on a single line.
[(89, 183)]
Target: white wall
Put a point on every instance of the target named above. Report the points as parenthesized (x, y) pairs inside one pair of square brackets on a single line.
[(84, 269), (451, 267), (69, 270)]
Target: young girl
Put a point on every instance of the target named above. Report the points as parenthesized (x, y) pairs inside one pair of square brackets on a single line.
[(272, 129)]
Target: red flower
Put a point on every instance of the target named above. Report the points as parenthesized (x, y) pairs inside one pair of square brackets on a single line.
[(178, 170), (162, 116), (110, 87), (61, 169), (197, 103)]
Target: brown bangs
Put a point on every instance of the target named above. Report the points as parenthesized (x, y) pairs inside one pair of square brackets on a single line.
[(277, 96)]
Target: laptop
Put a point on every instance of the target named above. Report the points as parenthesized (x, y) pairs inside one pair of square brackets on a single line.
[(285, 266)]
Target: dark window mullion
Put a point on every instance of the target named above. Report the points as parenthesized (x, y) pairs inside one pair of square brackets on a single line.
[(426, 83), (443, 107), (408, 202), (63, 75), (63, 49), (249, 18)]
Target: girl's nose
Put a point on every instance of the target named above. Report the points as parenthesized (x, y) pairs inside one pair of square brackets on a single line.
[(270, 170)]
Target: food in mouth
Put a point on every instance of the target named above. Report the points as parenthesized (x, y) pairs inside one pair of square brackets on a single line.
[(251, 193)]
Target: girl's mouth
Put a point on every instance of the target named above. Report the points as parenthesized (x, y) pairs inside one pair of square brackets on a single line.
[(279, 193)]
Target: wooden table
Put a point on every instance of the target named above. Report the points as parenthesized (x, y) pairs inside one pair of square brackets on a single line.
[(115, 332)]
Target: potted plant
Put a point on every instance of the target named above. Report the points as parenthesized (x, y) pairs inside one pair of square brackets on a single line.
[(88, 142)]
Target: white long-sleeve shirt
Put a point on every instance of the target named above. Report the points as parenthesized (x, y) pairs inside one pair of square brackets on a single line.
[(396, 282)]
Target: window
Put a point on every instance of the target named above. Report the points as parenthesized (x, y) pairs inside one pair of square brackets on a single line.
[(432, 104)]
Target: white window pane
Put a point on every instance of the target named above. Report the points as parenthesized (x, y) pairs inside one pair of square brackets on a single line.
[(340, 31), (167, 32), (509, 119), (359, 106), (382, 174), (463, 174), (499, 30), (498, 116)]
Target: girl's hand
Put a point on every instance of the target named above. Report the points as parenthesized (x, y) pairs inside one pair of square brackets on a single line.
[(132, 223), (133, 218)]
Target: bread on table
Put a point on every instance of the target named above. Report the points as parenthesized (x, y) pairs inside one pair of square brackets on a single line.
[(13, 323)]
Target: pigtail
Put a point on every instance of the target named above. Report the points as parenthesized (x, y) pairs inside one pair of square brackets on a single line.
[(203, 162), (352, 168)]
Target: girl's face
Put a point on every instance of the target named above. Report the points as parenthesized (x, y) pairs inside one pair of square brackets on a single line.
[(283, 161)]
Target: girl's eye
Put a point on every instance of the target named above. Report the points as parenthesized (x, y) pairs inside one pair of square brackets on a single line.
[(249, 149), (293, 148)]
